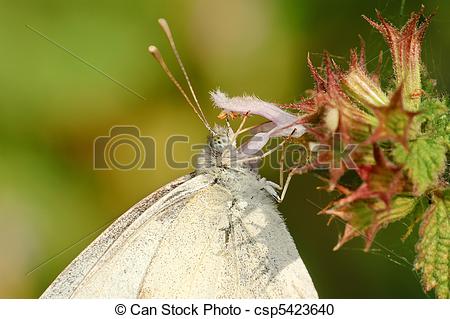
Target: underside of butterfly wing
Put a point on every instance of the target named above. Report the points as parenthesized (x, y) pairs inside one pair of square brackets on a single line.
[(78, 272), (215, 235), (221, 248)]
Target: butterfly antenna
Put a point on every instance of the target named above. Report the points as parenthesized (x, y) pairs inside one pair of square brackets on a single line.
[(158, 57), (165, 26)]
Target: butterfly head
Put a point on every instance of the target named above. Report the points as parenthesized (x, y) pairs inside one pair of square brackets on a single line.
[(221, 139), (221, 151)]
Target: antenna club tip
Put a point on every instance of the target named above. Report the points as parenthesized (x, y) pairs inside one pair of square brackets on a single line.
[(152, 49), (162, 21)]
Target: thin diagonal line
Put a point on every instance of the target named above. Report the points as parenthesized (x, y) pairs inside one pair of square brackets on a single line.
[(365, 237), (85, 62), (68, 248)]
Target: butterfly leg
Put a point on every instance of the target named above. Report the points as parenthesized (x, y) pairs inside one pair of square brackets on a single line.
[(281, 162), (239, 130), (286, 185)]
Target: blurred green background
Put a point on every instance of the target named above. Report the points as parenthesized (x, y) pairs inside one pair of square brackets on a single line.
[(53, 106)]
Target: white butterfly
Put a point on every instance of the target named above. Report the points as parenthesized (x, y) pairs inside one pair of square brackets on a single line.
[(215, 233)]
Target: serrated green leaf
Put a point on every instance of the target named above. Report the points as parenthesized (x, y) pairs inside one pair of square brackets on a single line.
[(424, 162), (399, 154), (401, 206), (434, 118), (366, 217), (421, 205), (431, 108), (433, 248), (404, 206)]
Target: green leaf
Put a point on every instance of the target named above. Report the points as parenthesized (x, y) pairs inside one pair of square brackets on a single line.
[(366, 217), (433, 248), (410, 209), (401, 206), (432, 108), (434, 118), (417, 209), (424, 162)]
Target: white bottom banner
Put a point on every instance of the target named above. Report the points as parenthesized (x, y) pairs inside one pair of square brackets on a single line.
[(225, 308)]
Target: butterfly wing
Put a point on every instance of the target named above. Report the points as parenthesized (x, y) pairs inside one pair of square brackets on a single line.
[(195, 238), (222, 248), (122, 250), (265, 254)]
